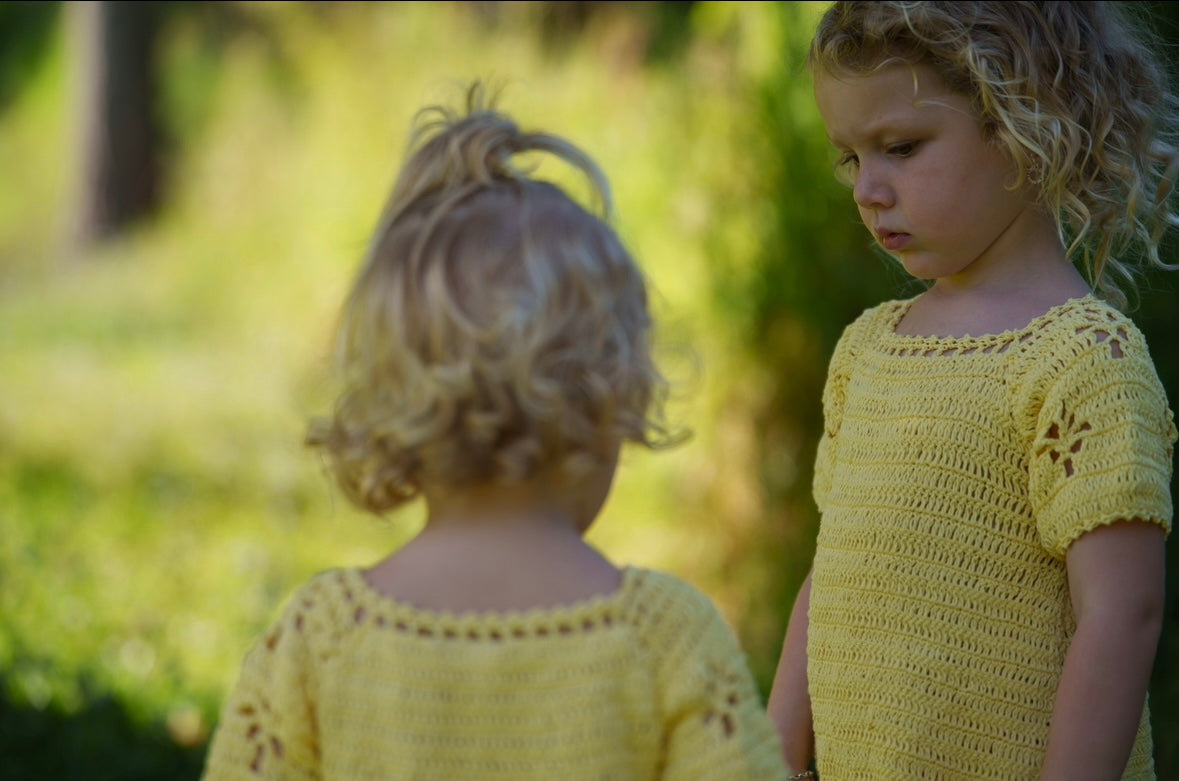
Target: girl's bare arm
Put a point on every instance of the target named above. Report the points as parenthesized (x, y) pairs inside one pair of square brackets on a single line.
[(789, 702), (1116, 580)]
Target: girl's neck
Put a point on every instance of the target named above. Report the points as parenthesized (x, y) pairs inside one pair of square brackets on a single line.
[(1002, 295), (496, 549), (523, 506)]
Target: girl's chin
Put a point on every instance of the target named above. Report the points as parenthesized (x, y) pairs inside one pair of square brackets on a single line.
[(916, 268), (919, 265)]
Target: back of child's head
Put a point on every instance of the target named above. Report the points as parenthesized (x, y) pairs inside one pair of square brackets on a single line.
[(1070, 89), (497, 329)]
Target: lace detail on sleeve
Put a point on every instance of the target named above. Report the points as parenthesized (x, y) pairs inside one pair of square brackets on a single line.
[(263, 742), (1064, 439), (724, 693), (726, 733), (716, 725), (1104, 436), (267, 728)]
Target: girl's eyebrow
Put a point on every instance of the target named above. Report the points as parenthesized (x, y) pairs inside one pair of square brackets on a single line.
[(912, 119), (877, 131)]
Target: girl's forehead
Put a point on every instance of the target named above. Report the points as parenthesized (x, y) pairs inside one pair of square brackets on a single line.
[(892, 80), (863, 103)]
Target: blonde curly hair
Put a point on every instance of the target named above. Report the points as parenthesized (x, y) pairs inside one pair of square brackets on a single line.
[(496, 329), (1069, 89)]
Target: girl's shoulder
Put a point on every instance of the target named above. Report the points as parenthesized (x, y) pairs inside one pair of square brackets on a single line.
[(672, 598), (324, 604), (878, 317), (1078, 315), (1083, 328), (1087, 353), (871, 321)]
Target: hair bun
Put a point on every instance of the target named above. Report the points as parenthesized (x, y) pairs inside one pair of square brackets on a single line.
[(451, 154)]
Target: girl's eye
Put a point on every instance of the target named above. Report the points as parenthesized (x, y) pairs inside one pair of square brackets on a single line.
[(905, 149), (846, 168), (847, 162)]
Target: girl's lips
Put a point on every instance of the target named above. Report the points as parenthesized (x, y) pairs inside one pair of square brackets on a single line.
[(894, 241)]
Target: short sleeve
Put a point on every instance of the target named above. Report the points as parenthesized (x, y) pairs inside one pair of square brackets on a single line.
[(834, 396), (1104, 439), (267, 726), (717, 726)]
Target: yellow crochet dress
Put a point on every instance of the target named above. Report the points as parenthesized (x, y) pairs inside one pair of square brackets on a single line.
[(952, 477), (646, 683)]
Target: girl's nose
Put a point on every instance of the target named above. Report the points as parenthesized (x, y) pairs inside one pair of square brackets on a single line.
[(871, 190)]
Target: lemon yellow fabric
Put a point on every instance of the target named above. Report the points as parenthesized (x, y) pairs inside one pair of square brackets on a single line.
[(646, 683), (952, 477)]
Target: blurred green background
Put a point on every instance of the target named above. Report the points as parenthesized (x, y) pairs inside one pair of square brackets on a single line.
[(163, 336)]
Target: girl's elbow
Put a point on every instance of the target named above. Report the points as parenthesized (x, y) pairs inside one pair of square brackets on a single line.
[(1146, 612), (1152, 614), (1138, 618)]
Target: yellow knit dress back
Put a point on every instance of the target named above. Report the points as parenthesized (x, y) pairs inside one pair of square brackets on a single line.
[(349, 685)]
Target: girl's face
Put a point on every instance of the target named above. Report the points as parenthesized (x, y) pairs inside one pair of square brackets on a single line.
[(930, 188)]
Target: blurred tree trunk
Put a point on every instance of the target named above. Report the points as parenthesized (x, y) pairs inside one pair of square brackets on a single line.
[(115, 103)]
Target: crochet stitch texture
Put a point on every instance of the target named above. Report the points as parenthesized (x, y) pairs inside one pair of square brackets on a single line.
[(952, 477), (646, 683)]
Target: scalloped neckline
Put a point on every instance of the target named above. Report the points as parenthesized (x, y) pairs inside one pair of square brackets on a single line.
[(569, 613), (981, 340)]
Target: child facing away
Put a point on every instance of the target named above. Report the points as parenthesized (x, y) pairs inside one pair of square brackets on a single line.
[(495, 356), (986, 594)]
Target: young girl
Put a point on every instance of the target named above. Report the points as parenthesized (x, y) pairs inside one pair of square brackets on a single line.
[(986, 593), (495, 356)]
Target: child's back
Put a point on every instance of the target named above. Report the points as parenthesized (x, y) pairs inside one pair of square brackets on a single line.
[(642, 683), (495, 357)]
